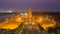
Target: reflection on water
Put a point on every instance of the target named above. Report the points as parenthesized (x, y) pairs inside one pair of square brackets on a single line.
[(5, 15)]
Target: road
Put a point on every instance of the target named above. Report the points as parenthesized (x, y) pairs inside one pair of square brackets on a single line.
[(28, 31)]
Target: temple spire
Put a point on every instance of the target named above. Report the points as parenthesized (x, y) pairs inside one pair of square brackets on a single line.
[(29, 13)]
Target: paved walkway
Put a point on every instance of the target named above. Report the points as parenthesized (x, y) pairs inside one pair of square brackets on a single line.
[(27, 31)]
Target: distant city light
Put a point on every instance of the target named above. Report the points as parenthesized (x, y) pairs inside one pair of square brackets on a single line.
[(10, 11), (6, 11)]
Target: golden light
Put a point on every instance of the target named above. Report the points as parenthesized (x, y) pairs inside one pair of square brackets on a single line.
[(40, 19), (26, 23), (11, 26), (8, 24), (18, 19), (46, 22), (33, 23), (45, 26)]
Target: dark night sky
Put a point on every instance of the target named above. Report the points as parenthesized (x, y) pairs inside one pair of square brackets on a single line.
[(34, 4)]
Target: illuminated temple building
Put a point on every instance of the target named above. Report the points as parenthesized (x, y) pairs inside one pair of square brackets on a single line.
[(26, 19)]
